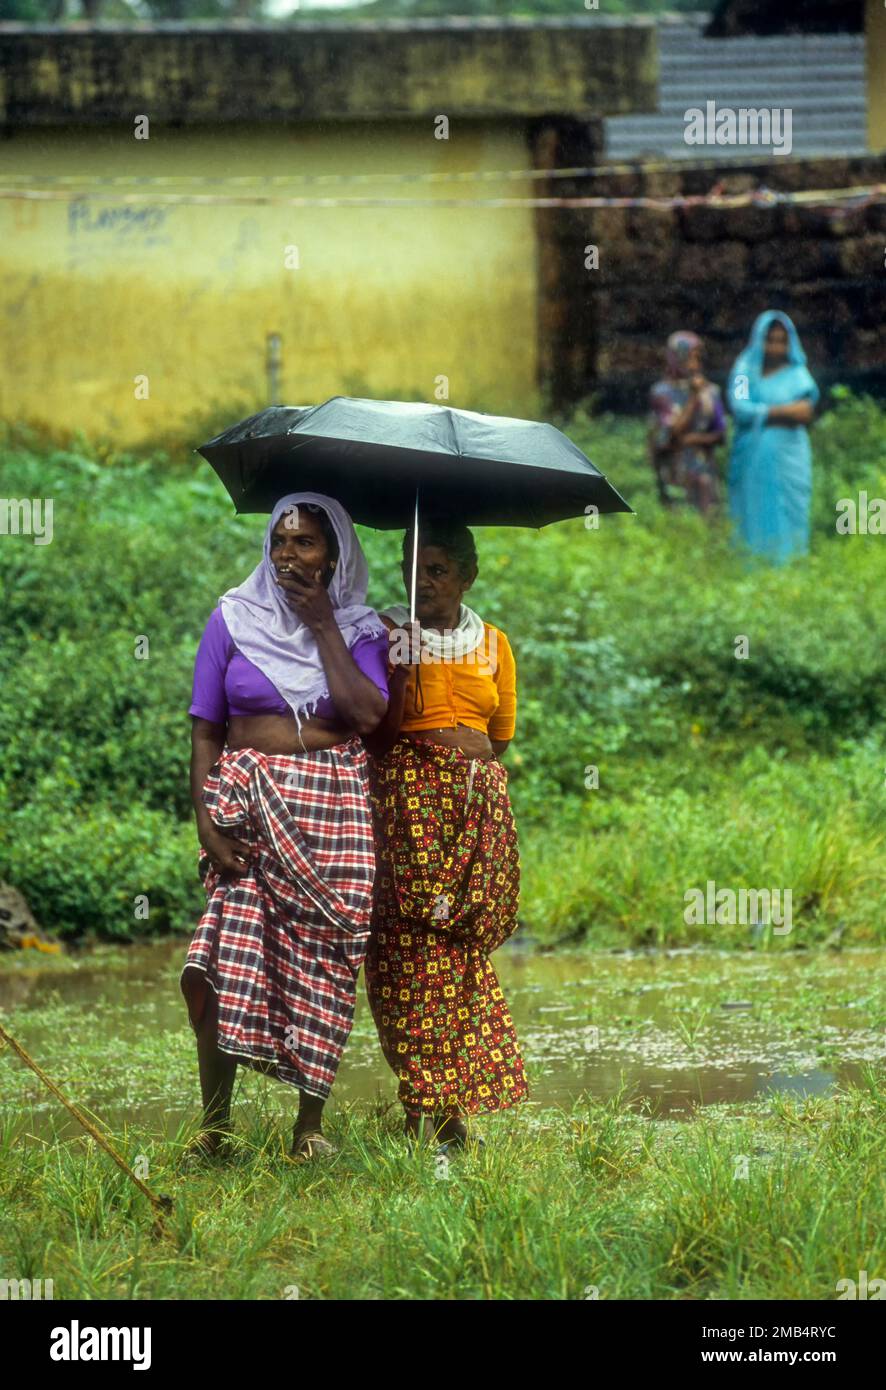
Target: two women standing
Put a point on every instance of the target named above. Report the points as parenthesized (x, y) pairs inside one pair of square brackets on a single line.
[(316, 855), (291, 677), (771, 396)]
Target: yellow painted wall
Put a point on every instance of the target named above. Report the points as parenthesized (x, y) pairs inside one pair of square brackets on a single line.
[(94, 292), (875, 59)]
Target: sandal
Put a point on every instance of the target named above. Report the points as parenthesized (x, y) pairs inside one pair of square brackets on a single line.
[(312, 1144)]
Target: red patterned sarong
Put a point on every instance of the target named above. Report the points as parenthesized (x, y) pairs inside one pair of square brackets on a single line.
[(282, 945), (446, 893)]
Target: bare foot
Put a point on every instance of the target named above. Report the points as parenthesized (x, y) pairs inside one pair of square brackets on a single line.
[(208, 1143), (422, 1129), (452, 1129)]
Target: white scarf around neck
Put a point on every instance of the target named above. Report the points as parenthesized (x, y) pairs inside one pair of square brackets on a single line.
[(456, 642)]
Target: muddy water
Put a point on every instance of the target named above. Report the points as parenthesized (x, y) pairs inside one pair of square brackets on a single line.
[(679, 1029)]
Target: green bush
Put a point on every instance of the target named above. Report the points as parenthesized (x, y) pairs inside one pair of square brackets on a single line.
[(83, 867), (625, 639)]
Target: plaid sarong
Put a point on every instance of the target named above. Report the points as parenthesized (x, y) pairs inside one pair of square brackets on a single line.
[(283, 944)]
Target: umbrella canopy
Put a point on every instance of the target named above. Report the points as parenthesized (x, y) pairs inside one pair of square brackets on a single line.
[(489, 470)]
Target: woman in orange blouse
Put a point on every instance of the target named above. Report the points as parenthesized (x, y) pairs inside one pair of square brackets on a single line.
[(447, 863)]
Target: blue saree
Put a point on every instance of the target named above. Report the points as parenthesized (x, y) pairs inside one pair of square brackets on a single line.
[(770, 466)]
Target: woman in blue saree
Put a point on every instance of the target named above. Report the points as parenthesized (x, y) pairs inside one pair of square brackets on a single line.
[(772, 396)]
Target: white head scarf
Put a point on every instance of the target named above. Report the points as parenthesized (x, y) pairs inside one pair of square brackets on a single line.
[(273, 637)]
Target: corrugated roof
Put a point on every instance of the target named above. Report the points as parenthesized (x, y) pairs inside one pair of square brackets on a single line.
[(819, 77)]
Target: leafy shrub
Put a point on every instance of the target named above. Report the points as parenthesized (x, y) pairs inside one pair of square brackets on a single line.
[(82, 867), (625, 640)]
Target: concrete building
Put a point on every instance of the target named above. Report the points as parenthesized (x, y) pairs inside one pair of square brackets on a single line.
[(324, 208), (134, 316)]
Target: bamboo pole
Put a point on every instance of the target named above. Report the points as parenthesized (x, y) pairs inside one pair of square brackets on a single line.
[(160, 1203)]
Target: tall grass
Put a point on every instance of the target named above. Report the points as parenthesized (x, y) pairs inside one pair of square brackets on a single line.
[(780, 1203)]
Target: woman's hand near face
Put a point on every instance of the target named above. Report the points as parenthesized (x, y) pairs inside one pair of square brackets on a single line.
[(681, 420), (308, 598)]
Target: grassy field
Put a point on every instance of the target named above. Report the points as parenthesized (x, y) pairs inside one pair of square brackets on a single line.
[(600, 1202), (765, 772), (768, 1194), (768, 771)]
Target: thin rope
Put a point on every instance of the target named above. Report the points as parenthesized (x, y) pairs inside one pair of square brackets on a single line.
[(579, 171), (861, 196)]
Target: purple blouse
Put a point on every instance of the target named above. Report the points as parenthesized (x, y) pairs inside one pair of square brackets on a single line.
[(227, 684)]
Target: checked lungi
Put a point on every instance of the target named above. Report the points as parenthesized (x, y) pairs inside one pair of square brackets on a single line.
[(282, 945)]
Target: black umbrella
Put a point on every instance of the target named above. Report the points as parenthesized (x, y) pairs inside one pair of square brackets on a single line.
[(378, 457)]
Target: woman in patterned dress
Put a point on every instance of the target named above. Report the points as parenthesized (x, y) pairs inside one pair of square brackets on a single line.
[(687, 424), (447, 876)]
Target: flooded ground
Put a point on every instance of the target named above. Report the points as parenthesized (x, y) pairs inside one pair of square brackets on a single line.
[(681, 1029)]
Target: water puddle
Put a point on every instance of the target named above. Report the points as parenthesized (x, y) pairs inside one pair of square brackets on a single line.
[(679, 1029)]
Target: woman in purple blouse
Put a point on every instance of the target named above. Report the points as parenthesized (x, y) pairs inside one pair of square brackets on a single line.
[(290, 673)]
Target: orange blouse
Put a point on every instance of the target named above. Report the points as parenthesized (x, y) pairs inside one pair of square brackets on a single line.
[(479, 690)]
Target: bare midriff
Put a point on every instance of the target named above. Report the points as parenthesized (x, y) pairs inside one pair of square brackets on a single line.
[(276, 734), (472, 742)]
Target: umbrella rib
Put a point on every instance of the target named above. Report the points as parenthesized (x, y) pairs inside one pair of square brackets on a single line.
[(453, 434)]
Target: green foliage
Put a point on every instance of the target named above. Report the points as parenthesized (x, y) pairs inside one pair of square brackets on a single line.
[(625, 638), (26, 11), (624, 858), (118, 873)]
